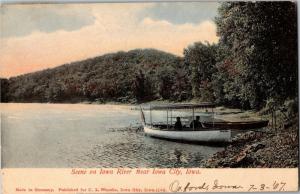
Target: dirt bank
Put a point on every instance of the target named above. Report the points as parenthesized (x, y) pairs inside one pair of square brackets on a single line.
[(269, 148)]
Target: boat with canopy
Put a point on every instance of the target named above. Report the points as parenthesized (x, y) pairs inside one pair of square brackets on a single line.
[(188, 130), (209, 130)]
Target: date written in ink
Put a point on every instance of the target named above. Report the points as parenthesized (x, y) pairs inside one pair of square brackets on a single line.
[(277, 186)]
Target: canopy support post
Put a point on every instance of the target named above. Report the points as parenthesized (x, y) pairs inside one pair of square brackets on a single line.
[(193, 119), (213, 117), (171, 118), (167, 118), (150, 116)]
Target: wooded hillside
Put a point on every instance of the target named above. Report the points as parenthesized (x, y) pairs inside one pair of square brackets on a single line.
[(137, 75), (254, 63)]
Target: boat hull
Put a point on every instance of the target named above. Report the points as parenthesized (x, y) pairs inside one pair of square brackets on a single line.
[(194, 136)]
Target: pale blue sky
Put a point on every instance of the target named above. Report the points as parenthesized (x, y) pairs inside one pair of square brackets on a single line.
[(22, 20), (180, 13)]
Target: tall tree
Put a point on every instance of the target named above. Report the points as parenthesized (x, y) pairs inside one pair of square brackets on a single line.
[(141, 87), (4, 90), (201, 59), (261, 39), (165, 83)]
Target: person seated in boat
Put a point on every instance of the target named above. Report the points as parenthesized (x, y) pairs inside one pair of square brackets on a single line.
[(178, 125), (196, 123)]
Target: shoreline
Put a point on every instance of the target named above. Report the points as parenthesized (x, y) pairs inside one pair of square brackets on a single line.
[(227, 114), (268, 148)]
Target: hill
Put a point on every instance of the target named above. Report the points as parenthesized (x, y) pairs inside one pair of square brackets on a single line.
[(136, 75)]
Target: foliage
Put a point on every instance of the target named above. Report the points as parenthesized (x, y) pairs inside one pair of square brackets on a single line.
[(261, 43), (4, 89), (201, 60), (137, 75)]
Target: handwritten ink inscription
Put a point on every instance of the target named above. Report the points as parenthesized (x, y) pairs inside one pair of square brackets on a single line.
[(277, 186), (176, 186)]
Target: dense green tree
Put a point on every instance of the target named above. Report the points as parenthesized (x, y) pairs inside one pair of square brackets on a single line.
[(182, 89), (4, 89), (139, 86), (201, 60), (165, 84), (261, 43)]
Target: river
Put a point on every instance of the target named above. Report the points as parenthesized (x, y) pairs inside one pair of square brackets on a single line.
[(87, 136)]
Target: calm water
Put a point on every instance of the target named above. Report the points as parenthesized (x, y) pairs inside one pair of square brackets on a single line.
[(73, 135)]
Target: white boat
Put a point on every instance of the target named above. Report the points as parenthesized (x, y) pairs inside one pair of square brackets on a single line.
[(187, 132), (194, 136)]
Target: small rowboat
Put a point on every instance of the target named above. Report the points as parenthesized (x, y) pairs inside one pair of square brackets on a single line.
[(236, 125)]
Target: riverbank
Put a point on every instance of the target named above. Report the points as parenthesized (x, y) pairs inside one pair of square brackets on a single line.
[(269, 148)]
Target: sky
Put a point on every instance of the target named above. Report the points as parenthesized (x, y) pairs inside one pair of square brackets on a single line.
[(39, 36)]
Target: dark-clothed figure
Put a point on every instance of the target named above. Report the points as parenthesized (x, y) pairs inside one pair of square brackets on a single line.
[(196, 123), (178, 125)]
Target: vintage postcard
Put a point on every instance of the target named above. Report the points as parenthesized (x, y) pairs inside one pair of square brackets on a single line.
[(149, 97)]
